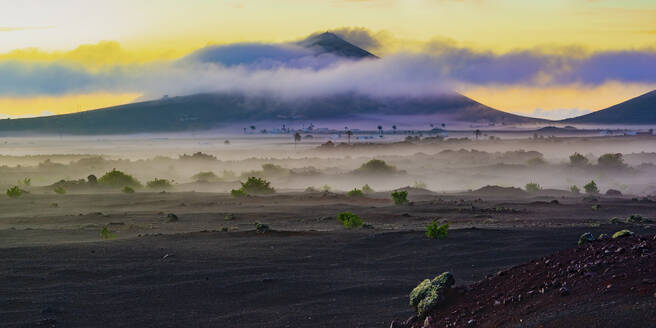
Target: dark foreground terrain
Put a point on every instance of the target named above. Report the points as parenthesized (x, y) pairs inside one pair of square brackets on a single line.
[(56, 271)]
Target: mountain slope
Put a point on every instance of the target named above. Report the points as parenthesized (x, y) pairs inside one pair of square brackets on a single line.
[(208, 111), (640, 110), (331, 43)]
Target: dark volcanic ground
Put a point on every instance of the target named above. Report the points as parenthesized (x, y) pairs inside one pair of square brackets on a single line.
[(319, 275)]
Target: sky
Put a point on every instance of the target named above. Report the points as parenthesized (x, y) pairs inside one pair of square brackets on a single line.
[(553, 59)]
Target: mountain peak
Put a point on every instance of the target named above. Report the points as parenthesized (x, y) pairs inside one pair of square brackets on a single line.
[(328, 42)]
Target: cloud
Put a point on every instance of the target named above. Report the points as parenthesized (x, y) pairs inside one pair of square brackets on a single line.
[(22, 28), (555, 114), (289, 70), (360, 36)]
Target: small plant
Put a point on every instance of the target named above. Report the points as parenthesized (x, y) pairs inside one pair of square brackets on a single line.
[(128, 190), (311, 189), (27, 182), (326, 188), (400, 197), (533, 187), (622, 233), (261, 227), (574, 189), (349, 220), (256, 185), (367, 189), (171, 217), (15, 192), (376, 166), (596, 207), (355, 193), (577, 159), (591, 188), (236, 193), (105, 233), (435, 231), (59, 190), (159, 184)]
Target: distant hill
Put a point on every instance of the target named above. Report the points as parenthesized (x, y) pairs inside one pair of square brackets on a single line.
[(640, 110), (220, 110), (208, 111)]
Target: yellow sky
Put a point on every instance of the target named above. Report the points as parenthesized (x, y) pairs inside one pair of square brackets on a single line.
[(101, 33)]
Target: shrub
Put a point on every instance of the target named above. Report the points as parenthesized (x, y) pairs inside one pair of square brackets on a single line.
[(611, 160), (311, 189), (256, 185), (435, 231), (205, 177), (367, 189), (92, 179), (591, 188), (159, 184), (533, 187), (349, 220), (118, 179), (27, 182), (574, 189), (376, 166), (400, 197), (537, 161), (636, 218), (586, 238), (430, 293), (326, 188), (355, 193), (615, 220), (15, 192), (577, 159), (105, 233), (261, 227), (622, 233), (128, 190), (59, 190), (237, 193)]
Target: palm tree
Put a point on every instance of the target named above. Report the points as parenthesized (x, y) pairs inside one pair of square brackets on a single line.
[(349, 133), (380, 130), (252, 127), (477, 133), (394, 128)]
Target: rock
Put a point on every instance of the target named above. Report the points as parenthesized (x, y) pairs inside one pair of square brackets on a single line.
[(586, 238), (430, 293), (563, 291), (622, 233)]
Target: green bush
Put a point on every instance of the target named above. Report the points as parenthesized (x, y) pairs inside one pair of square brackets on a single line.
[(577, 159), (574, 189), (400, 197), (355, 193), (105, 233), (27, 182), (256, 186), (376, 166), (349, 220), (159, 184), (622, 233), (611, 160), (118, 179), (533, 187), (204, 177), (367, 189), (59, 190), (435, 231), (236, 193), (430, 293), (15, 192), (128, 190), (591, 188)]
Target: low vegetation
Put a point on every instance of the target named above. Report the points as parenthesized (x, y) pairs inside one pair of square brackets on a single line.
[(15, 192), (205, 177), (261, 227), (430, 293), (105, 233), (159, 184), (533, 187), (355, 193), (577, 159), (591, 188), (349, 220), (118, 179), (586, 238), (128, 190), (376, 166), (400, 197), (436, 231), (622, 233), (575, 189), (367, 189), (237, 193), (59, 190)]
